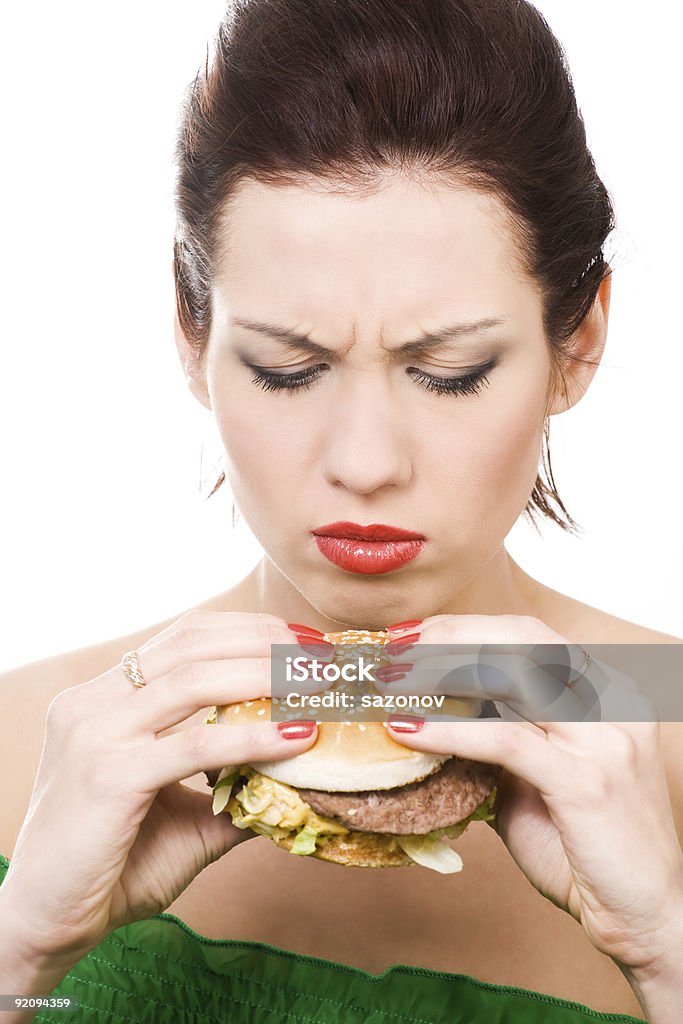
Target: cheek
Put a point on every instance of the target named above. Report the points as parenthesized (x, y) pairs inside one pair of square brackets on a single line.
[(260, 450), (513, 431), (515, 456), (489, 460)]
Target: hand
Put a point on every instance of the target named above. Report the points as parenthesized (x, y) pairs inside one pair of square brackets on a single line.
[(582, 806), (111, 835)]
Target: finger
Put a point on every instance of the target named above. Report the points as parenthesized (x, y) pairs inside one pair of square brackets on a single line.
[(202, 748), (556, 659), (184, 691), (523, 749), (523, 685), (520, 812), (195, 685), (605, 695), (241, 636), (419, 648), (191, 812), (188, 644), (192, 637), (452, 704)]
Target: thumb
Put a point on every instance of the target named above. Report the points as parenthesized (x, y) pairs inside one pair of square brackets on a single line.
[(192, 814)]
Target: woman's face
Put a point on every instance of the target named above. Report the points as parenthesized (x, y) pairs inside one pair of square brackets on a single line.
[(369, 440)]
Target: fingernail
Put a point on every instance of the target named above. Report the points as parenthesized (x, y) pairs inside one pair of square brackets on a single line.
[(401, 627), (405, 723), (402, 644), (296, 730), (390, 673), (305, 630), (310, 667), (398, 650), (316, 648), (306, 665)]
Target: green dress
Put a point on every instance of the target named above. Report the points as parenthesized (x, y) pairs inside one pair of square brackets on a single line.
[(160, 971)]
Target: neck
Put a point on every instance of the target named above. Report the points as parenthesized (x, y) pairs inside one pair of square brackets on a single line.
[(501, 588)]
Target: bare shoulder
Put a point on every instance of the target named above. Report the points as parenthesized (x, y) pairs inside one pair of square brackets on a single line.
[(582, 623), (612, 630), (620, 631), (44, 679), (25, 695)]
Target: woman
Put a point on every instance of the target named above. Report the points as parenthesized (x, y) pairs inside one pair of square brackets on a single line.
[(390, 274)]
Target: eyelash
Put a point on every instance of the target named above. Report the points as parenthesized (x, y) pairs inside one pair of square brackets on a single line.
[(466, 384)]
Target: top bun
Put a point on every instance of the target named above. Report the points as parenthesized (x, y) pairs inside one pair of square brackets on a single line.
[(347, 756)]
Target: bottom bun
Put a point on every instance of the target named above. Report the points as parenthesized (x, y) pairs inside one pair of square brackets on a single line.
[(359, 850)]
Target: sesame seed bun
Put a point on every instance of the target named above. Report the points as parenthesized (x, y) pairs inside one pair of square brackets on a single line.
[(347, 756)]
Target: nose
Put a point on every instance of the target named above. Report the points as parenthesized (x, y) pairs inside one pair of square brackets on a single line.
[(367, 439)]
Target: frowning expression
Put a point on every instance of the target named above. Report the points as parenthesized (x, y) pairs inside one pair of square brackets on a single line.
[(377, 358)]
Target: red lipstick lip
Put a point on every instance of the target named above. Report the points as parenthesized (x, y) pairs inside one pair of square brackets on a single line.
[(375, 531), (368, 557)]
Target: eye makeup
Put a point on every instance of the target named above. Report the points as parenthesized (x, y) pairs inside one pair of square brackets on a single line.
[(469, 383)]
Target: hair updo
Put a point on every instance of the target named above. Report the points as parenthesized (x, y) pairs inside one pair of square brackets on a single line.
[(475, 91)]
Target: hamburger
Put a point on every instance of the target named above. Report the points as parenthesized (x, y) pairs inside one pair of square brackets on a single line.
[(356, 797)]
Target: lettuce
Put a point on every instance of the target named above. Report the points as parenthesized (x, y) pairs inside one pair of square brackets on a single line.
[(305, 841), (269, 808), (451, 832), (276, 810), (273, 809), (484, 812), (481, 813), (223, 788), (431, 853)]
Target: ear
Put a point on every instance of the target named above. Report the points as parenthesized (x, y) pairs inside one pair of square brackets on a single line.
[(194, 373), (586, 347)]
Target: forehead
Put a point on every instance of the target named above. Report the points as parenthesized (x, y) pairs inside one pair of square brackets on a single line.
[(403, 244)]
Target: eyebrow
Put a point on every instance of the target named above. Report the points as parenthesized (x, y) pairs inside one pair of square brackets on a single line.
[(418, 346)]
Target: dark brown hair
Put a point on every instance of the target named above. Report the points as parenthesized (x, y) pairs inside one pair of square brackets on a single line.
[(462, 90)]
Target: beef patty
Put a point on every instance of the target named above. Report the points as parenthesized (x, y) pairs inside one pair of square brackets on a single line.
[(442, 799)]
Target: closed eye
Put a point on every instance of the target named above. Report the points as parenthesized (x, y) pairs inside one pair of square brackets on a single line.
[(470, 383)]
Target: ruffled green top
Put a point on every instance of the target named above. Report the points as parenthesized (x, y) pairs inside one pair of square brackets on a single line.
[(160, 971)]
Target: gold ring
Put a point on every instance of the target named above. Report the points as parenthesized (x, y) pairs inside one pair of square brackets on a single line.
[(131, 666), (581, 672)]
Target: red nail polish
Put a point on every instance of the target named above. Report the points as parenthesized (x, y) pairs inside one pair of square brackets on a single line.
[(316, 648), (398, 652), (295, 730), (305, 630), (401, 627), (401, 644), (389, 673), (405, 723)]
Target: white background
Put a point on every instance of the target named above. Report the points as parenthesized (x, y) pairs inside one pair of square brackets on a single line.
[(104, 530)]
